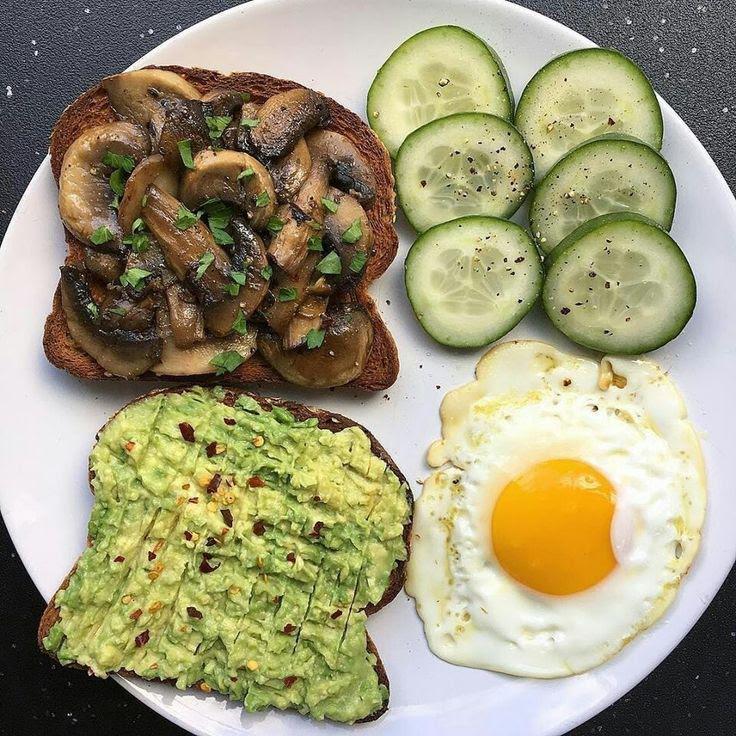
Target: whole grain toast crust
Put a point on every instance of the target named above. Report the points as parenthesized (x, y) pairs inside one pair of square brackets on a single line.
[(92, 108), (326, 420)]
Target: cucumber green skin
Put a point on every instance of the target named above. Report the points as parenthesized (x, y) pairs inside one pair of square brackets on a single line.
[(568, 245), (541, 186), (423, 129), (373, 91), (538, 79), (426, 238)]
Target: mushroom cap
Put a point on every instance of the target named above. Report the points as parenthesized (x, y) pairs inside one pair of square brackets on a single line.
[(152, 170)]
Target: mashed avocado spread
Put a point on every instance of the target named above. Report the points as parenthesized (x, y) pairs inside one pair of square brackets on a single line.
[(234, 548)]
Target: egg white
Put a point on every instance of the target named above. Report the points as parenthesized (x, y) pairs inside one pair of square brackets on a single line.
[(531, 403)]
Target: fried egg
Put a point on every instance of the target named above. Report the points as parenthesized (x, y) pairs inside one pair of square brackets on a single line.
[(566, 506)]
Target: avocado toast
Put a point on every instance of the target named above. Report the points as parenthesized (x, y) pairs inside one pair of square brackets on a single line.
[(237, 545)]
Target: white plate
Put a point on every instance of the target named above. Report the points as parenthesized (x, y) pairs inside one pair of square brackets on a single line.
[(48, 420)]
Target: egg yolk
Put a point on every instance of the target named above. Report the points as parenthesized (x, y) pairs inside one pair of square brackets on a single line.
[(551, 527)]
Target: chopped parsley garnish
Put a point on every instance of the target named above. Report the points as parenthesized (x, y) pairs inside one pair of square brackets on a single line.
[(217, 124), (185, 151), (314, 243), (354, 233), (139, 242), (249, 122), (115, 203), (101, 235), (222, 237), (204, 262), (118, 161), (275, 224), (330, 204), (238, 277), (119, 311), (330, 264), (185, 218), (245, 96), (263, 199), (218, 218), (357, 262), (137, 225), (117, 182), (93, 309), (287, 295), (240, 325), (267, 272), (315, 338), (226, 362), (134, 277), (246, 173)]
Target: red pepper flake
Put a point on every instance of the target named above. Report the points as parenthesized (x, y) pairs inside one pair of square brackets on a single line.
[(193, 499), (211, 449), (186, 486), (316, 529), (291, 557), (229, 399), (151, 556), (316, 499), (565, 310), (256, 482), (290, 680), (214, 483), (211, 542), (336, 614), (188, 535), (227, 516), (289, 629), (119, 558), (187, 431), (259, 528), (277, 599), (136, 614), (204, 567), (233, 679), (229, 421), (611, 121), (142, 638), (193, 612)]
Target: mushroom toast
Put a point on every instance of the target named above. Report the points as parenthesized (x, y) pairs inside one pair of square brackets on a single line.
[(224, 224), (237, 545)]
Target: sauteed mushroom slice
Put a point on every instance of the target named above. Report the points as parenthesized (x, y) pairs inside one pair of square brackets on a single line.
[(222, 101), (103, 266), (85, 195), (308, 317), (349, 171), (197, 360), (233, 177), (282, 120), (188, 247), (290, 171), (122, 311), (152, 170), (338, 360), (185, 320), (287, 293), (181, 120), (120, 352), (249, 281), (348, 232), (136, 95)]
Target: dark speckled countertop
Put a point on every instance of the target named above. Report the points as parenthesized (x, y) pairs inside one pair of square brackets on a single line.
[(51, 51)]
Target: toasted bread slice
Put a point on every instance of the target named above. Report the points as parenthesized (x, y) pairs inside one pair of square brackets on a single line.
[(325, 420), (92, 108)]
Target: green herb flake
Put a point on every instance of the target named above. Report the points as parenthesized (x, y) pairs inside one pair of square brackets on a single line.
[(204, 262), (246, 173), (267, 272), (118, 161), (245, 96), (217, 124), (185, 151), (222, 237), (115, 203), (357, 262), (144, 200), (226, 362), (263, 199), (101, 236), (315, 338), (240, 325), (139, 242), (117, 182), (238, 277), (330, 204), (354, 233), (275, 224), (287, 295), (134, 277), (119, 311), (138, 224), (250, 122), (93, 309), (330, 264), (185, 218), (315, 243), (218, 213)]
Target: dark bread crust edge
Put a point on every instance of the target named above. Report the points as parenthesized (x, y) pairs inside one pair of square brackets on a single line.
[(326, 420), (92, 108)]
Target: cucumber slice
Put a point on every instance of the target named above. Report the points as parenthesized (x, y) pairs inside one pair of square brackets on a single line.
[(612, 173), (471, 163), (619, 284), (584, 94), (471, 280), (437, 72)]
